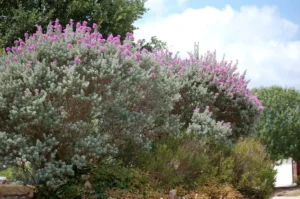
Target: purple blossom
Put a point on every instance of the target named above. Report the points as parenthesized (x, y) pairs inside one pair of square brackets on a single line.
[(88, 29), (95, 26), (86, 39), (144, 50), (110, 37), (70, 46), (8, 49), (31, 48), (93, 43), (153, 75), (19, 50), (22, 43), (261, 108), (88, 46), (84, 23), (54, 38), (77, 60), (36, 90), (126, 52), (79, 41), (59, 28), (137, 56), (196, 110), (26, 90), (129, 35)]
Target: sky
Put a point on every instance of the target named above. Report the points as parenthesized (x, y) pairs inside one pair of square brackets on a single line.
[(263, 35)]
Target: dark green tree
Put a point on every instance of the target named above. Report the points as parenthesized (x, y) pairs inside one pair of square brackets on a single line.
[(112, 16), (279, 128)]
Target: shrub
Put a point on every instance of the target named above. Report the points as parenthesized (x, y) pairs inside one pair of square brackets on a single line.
[(187, 162), (72, 97), (298, 180), (117, 177), (217, 191), (254, 173), (1, 46), (207, 83)]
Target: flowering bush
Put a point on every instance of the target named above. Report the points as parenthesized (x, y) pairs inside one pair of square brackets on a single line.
[(71, 97), (68, 97), (216, 86)]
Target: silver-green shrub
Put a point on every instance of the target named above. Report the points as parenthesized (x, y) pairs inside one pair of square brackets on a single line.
[(72, 97)]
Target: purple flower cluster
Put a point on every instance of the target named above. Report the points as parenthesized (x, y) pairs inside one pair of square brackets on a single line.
[(222, 75)]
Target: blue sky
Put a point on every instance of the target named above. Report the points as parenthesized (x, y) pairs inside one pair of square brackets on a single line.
[(263, 35)]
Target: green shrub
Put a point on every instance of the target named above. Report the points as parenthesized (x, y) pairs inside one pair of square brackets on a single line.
[(1, 47), (298, 180), (254, 172), (117, 177), (186, 162)]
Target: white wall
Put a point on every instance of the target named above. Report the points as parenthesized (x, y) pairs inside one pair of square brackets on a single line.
[(284, 175)]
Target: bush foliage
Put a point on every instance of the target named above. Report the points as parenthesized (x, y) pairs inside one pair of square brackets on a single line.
[(74, 103)]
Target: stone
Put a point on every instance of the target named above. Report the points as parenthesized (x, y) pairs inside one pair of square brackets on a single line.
[(172, 194)]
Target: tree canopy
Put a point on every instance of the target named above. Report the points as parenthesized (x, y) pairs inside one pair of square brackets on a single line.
[(280, 123), (112, 16)]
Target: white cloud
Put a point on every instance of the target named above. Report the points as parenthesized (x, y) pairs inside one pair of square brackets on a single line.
[(259, 38)]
